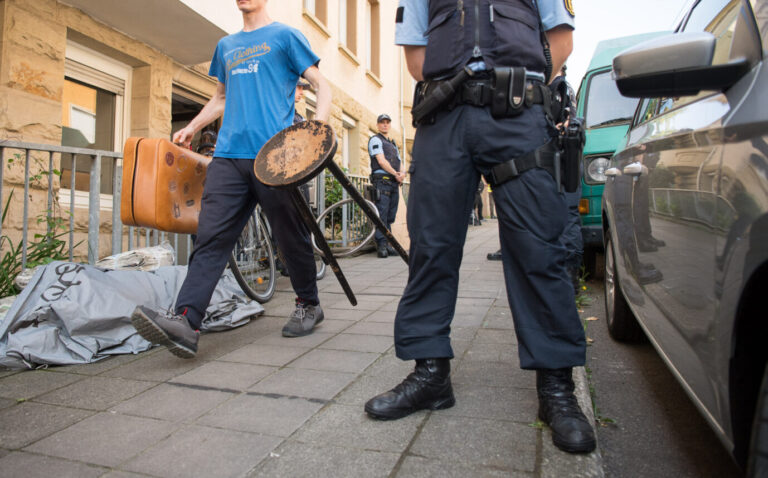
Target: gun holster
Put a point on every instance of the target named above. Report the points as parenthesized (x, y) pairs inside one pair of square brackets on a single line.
[(572, 143), (508, 91)]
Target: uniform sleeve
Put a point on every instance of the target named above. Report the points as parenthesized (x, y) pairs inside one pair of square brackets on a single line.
[(217, 68), (302, 56), (555, 13), (411, 22), (375, 146)]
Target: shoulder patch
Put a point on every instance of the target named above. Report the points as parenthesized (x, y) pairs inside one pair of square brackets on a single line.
[(399, 14), (569, 7)]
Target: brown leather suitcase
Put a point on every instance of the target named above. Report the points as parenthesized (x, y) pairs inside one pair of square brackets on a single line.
[(162, 185)]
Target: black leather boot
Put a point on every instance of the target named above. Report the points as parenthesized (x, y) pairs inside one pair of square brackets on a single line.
[(429, 386), (559, 409)]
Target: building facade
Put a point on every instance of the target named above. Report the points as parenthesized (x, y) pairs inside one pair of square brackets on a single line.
[(91, 73)]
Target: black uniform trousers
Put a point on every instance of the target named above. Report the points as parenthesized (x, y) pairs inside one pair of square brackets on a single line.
[(230, 194), (389, 198), (448, 156)]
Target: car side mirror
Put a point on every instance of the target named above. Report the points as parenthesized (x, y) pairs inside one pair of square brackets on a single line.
[(674, 65)]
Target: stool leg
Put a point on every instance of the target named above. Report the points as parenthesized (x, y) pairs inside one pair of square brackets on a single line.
[(347, 184), (309, 220)]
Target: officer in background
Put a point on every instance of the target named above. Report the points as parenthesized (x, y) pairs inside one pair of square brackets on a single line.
[(483, 107), (387, 175)]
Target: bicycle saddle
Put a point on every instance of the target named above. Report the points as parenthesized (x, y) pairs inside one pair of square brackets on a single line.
[(296, 154)]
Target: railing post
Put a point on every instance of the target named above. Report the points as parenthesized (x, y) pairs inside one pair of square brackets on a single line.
[(117, 225), (2, 204), (25, 228), (49, 214), (94, 204), (72, 174)]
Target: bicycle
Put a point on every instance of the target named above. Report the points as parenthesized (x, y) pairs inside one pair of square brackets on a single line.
[(350, 229), (253, 259)]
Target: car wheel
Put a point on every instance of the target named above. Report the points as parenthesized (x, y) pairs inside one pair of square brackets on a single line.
[(757, 465), (622, 324)]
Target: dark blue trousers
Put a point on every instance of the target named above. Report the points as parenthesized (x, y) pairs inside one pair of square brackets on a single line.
[(448, 157), (572, 238), (230, 194), (389, 198)]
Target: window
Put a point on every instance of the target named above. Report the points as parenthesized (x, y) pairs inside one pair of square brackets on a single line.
[(718, 17), (702, 15), (349, 144), (94, 114), (372, 40), (318, 9), (604, 105), (348, 24)]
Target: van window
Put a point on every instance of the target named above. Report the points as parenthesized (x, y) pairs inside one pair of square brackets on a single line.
[(604, 104)]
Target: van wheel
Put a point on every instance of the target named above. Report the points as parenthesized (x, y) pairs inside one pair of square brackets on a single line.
[(757, 464), (622, 324)]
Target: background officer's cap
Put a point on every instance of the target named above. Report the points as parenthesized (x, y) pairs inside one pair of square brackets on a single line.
[(303, 83), (384, 117)]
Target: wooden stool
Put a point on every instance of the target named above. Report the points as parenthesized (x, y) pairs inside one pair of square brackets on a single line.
[(294, 156)]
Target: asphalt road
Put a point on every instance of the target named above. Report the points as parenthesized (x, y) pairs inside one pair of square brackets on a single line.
[(650, 428)]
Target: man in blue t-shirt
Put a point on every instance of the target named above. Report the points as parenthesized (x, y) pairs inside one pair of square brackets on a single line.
[(257, 70)]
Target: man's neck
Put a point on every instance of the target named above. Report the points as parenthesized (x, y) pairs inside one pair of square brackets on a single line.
[(255, 19)]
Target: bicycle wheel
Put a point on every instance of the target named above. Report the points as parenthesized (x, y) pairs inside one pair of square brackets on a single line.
[(253, 261), (319, 265), (347, 228)]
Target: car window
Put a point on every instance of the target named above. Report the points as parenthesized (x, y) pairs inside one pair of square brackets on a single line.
[(704, 13), (604, 104), (719, 18), (647, 110)]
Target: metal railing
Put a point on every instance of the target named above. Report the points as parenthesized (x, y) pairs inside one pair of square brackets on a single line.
[(136, 236)]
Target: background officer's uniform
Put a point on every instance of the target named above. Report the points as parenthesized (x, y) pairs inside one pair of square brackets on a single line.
[(387, 186), (449, 155)]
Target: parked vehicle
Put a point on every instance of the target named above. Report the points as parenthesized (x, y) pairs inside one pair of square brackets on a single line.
[(606, 115), (685, 215)]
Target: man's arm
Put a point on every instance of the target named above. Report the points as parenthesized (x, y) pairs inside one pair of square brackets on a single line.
[(561, 45), (387, 166), (323, 89), (210, 112), (414, 58)]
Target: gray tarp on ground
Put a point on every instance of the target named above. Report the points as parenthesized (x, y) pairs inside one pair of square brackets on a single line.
[(74, 313)]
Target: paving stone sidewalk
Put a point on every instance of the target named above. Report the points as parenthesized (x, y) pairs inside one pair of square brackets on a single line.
[(259, 405)]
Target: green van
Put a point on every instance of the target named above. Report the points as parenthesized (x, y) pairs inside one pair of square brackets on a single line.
[(606, 115)]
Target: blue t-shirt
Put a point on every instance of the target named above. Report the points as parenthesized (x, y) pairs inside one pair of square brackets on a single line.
[(413, 19), (259, 70)]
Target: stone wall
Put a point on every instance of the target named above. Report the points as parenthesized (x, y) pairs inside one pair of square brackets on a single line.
[(33, 39)]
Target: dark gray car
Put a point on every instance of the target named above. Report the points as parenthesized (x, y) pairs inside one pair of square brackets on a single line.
[(685, 213)]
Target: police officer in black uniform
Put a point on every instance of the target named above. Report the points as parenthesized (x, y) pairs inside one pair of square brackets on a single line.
[(483, 108), (386, 176)]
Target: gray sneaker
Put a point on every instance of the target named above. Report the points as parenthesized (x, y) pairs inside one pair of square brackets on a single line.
[(303, 319), (168, 329)]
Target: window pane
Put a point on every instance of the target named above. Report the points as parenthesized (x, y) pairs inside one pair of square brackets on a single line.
[(88, 121), (605, 106), (703, 14), (310, 6)]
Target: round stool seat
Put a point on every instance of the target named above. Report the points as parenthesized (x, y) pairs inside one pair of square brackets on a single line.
[(296, 154)]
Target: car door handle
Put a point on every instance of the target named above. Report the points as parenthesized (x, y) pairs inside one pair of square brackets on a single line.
[(633, 169), (611, 172)]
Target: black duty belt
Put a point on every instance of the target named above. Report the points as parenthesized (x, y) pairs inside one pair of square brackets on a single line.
[(481, 92), (382, 176), (546, 157)]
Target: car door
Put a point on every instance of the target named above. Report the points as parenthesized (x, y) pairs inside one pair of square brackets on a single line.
[(674, 161)]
